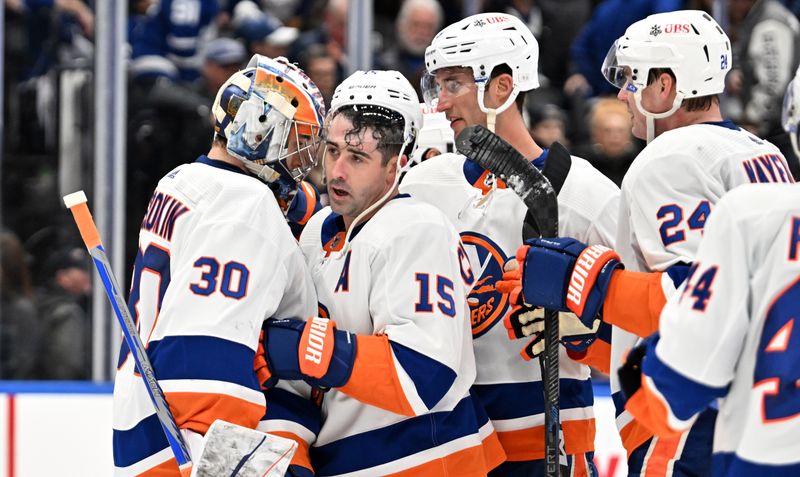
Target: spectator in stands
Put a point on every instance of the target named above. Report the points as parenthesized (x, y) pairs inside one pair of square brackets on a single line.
[(612, 147), (168, 42), (548, 124), (765, 40), (223, 57), (19, 324), (63, 303), (331, 35), (417, 23), (322, 68), (263, 33)]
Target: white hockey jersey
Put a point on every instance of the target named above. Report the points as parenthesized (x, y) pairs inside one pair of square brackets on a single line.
[(729, 332), (490, 224), (399, 284), (667, 195), (215, 259)]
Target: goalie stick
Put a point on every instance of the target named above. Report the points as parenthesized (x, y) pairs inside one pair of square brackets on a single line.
[(228, 449), (498, 157)]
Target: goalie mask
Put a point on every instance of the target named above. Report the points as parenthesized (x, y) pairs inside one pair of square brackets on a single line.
[(688, 42), (271, 116), (482, 42)]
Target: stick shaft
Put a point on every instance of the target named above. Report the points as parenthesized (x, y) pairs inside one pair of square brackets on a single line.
[(91, 238)]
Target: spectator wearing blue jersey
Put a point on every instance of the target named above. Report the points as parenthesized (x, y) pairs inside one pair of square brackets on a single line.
[(168, 41)]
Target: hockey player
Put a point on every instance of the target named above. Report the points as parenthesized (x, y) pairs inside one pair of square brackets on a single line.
[(215, 259), (392, 345), (671, 67), (476, 68)]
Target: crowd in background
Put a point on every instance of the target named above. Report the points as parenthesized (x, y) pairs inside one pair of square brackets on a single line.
[(181, 51)]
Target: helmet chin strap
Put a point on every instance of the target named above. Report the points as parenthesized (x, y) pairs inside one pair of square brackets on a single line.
[(491, 113), (650, 117)]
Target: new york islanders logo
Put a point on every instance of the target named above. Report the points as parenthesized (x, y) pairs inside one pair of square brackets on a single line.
[(487, 306)]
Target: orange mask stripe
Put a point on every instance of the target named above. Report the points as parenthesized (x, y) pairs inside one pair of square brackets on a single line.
[(634, 302), (374, 380)]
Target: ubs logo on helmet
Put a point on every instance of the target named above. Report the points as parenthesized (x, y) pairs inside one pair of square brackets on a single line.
[(487, 306)]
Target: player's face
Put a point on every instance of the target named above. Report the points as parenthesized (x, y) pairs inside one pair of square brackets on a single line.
[(458, 98), (354, 169), (650, 101)]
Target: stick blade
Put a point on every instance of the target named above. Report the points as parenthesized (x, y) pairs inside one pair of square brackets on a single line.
[(233, 450)]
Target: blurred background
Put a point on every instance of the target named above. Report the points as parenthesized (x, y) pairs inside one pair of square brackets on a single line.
[(109, 95)]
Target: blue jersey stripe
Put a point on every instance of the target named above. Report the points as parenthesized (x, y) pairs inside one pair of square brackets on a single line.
[(203, 357), (728, 464), (514, 400), (685, 396), (283, 405), (139, 442), (387, 444), (431, 378)]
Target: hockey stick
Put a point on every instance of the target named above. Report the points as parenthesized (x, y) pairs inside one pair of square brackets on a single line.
[(76, 203), (498, 157), (228, 449)]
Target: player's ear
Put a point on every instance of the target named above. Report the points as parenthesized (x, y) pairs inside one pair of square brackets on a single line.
[(502, 86)]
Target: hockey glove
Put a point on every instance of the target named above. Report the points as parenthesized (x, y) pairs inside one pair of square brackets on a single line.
[(566, 275), (263, 373), (305, 203), (526, 320), (314, 351), (630, 373)]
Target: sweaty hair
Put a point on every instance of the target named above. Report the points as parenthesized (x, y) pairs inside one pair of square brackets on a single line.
[(701, 103), (386, 126)]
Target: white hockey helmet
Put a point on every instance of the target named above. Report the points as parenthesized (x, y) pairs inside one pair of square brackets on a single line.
[(482, 42), (435, 133), (790, 117), (267, 113), (387, 89), (688, 42)]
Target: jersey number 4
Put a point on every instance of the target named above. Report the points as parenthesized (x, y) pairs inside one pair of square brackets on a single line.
[(777, 370), (673, 229)]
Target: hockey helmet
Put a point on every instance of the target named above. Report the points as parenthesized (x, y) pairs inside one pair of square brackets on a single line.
[(482, 42)]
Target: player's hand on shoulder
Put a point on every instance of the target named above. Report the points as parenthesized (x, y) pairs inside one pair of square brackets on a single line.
[(313, 351)]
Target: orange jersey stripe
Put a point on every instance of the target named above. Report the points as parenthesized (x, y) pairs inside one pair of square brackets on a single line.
[(634, 302), (197, 411), (633, 435), (664, 451), (467, 462), (650, 411), (374, 380), (168, 468), (301, 456), (528, 444), (493, 453), (598, 356)]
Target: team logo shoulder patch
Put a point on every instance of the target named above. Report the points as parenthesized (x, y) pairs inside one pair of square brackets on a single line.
[(487, 306)]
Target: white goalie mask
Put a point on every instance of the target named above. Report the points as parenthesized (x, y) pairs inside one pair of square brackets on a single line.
[(271, 116), (688, 42), (482, 42)]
